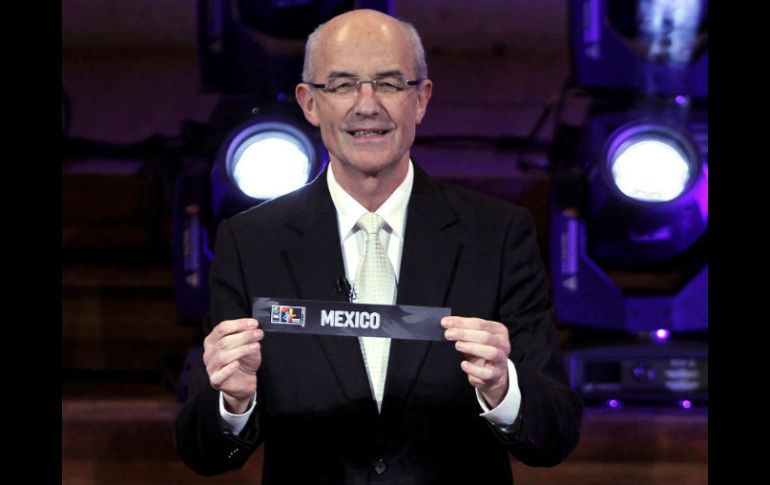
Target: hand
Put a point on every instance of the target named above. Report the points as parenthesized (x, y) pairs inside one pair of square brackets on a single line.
[(232, 355), (485, 345)]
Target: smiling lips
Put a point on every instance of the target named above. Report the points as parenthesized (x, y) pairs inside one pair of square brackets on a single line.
[(358, 132), (368, 133)]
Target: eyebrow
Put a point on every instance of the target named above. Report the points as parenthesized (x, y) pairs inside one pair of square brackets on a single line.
[(380, 74), (338, 74), (393, 72)]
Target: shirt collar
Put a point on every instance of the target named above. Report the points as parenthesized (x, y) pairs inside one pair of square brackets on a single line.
[(393, 210)]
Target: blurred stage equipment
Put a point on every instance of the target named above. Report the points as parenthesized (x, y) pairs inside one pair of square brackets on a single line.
[(629, 201), (256, 145)]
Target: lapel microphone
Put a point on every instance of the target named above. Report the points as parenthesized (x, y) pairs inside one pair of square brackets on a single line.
[(343, 287)]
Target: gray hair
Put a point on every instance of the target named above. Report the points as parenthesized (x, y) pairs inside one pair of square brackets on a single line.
[(421, 67)]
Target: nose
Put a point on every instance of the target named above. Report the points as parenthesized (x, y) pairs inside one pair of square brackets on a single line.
[(367, 103)]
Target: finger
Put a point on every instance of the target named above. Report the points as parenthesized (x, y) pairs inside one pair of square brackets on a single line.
[(485, 352), (477, 336), (474, 324), (234, 340), (485, 374), (213, 347), (225, 358), (476, 382), (220, 378), (222, 374), (228, 327)]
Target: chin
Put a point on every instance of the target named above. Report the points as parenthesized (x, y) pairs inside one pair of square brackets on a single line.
[(371, 163), (376, 167)]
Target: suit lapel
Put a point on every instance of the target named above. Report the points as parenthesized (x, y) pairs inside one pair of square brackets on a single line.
[(432, 246), (314, 261), (313, 256)]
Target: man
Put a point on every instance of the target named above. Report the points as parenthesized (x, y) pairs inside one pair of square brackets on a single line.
[(341, 410)]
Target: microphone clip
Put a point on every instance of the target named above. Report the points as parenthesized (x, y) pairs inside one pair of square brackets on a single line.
[(343, 287)]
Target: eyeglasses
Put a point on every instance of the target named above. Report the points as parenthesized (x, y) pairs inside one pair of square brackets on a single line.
[(348, 87)]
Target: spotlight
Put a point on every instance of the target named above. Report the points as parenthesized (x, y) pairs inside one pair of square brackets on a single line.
[(661, 335), (650, 168), (269, 154), (629, 222), (629, 202), (254, 153), (628, 252), (266, 160), (652, 46), (648, 188)]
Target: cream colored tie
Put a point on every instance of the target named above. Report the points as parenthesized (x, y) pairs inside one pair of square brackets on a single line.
[(375, 283)]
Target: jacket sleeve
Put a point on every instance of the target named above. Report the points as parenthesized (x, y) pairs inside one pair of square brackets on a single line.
[(548, 426), (200, 439)]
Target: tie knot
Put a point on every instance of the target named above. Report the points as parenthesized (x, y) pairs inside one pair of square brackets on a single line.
[(371, 223)]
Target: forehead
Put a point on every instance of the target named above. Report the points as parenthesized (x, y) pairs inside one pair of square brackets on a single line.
[(364, 48)]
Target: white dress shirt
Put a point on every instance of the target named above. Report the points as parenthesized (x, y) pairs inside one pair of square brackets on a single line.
[(353, 241)]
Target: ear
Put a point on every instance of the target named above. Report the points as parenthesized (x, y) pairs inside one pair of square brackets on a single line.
[(307, 103), (423, 96)]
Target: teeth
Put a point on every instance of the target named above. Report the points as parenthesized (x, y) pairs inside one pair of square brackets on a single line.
[(368, 132)]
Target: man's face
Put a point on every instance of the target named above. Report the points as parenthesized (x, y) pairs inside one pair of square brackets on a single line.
[(365, 132)]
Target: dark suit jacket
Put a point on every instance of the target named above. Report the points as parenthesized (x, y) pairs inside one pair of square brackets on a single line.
[(316, 415)]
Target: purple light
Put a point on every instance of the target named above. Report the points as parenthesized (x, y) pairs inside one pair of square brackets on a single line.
[(613, 403), (650, 168), (680, 100), (671, 26), (662, 334), (702, 193), (685, 404)]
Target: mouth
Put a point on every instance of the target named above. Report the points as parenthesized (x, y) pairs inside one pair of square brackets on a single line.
[(367, 133)]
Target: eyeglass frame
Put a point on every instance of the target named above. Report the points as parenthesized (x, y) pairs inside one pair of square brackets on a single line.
[(407, 83)]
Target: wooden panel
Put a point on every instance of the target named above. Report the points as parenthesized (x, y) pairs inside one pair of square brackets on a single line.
[(120, 318)]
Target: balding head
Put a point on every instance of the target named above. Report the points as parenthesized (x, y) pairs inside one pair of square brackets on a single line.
[(368, 131), (349, 26)]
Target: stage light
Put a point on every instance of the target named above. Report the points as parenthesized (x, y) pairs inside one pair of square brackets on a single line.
[(657, 47), (661, 335), (649, 168), (630, 255), (252, 151), (270, 153), (646, 184), (257, 46), (629, 223), (270, 159)]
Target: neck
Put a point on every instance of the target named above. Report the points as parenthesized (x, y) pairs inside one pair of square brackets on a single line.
[(370, 190)]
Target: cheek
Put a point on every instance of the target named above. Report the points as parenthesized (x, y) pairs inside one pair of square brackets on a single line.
[(329, 122), (326, 136), (330, 136)]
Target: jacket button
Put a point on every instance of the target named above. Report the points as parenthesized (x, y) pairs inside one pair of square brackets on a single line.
[(379, 466)]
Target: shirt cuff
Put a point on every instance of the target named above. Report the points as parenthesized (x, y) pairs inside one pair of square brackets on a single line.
[(505, 413), (235, 422)]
